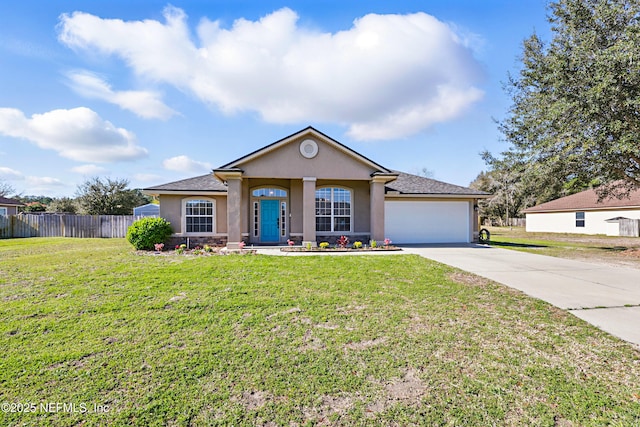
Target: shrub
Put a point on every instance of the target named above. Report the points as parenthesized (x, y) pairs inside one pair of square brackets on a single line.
[(357, 244), (324, 245), (343, 241), (146, 232)]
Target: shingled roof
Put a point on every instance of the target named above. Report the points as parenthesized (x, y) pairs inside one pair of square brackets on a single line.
[(206, 182), (405, 184), (413, 184), (587, 200), (9, 202)]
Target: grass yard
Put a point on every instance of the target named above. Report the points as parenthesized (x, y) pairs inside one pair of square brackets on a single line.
[(623, 251), (92, 333)]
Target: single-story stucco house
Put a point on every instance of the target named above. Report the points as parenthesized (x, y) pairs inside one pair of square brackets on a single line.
[(309, 188), (9, 206), (582, 213)]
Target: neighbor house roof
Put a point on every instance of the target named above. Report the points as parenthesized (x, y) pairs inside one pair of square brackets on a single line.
[(418, 185), (203, 183), (5, 201), (587, 200)]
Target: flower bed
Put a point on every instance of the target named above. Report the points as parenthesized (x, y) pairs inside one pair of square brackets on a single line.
[(339, 249), (205, 250), (342, 245)]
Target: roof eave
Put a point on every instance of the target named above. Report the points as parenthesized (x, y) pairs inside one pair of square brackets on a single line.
[(436, 195), (152, 192), (602, 208)]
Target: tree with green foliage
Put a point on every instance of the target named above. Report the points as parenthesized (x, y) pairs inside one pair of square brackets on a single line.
[(510, 194), (108, 197), (63, 205), (575, 117), (34, 207)]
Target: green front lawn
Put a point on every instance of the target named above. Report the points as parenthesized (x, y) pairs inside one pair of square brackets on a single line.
[(623, 251), (88, 325)]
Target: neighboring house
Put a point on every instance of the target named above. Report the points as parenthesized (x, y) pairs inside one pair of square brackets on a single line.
[(150, 209), (9, 206), (310, 188), (583, 213)]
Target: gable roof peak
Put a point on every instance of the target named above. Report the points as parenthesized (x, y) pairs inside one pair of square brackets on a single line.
[(309, 130)]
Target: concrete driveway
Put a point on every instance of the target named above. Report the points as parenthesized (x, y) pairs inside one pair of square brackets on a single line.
[(607, 297)]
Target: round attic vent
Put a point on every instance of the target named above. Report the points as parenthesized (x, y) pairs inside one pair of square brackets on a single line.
[(308, 148)]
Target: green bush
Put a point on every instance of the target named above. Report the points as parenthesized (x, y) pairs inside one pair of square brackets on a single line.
[(146, 232)]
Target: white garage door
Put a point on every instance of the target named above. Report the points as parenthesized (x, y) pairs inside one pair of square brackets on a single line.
[(426, 222)]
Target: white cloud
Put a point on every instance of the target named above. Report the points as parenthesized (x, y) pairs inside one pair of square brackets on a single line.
[(43, 182), (185, 164), (387, 76), (146, 177), (145, 104), (31, 184), (8, 173), (89, 170), (78, 134)]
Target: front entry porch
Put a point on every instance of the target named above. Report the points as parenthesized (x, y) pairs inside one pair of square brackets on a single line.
[(269, 217), (304, 210)]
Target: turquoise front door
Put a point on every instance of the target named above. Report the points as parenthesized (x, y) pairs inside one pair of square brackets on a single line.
[(269, 222)]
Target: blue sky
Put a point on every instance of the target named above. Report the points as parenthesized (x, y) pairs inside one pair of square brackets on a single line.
[(154, 92)]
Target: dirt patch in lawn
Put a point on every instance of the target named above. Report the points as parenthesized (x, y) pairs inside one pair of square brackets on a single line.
[(468, 278), (363, 345)]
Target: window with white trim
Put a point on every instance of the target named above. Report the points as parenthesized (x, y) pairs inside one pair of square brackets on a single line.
[(333, 209), (3, 211), (256, 218), (283, 219), (579, 219), (199, 216)]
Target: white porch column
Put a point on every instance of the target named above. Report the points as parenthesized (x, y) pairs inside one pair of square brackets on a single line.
[(377, 207), (309, 211)]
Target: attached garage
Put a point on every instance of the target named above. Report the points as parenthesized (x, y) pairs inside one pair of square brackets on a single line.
[(428, 221), (423, 210)]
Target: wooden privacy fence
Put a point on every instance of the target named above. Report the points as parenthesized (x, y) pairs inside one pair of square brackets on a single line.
[(65, 225), (630, 227)]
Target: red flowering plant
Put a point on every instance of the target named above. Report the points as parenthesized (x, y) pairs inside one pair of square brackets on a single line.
[(343, 241)]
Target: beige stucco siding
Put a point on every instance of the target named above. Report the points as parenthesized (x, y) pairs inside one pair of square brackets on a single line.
[(287, 162), (171, 210), (295, 207)]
